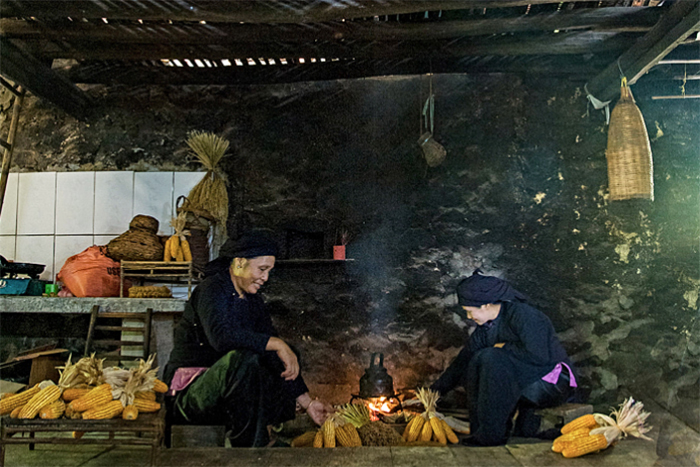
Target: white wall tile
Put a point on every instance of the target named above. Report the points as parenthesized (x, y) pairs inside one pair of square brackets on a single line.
[(75, 202), (114, 199), (104, 239), (7, 247), (67, 246), (36, 249), (8, 217), (153, 196), (184, 182), (36, 203)]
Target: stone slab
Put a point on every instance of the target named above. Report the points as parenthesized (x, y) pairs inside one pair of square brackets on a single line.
[(84, 305), (182, 436)]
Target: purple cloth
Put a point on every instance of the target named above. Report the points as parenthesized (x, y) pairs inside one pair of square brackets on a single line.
[(553, 376), (183, 377)]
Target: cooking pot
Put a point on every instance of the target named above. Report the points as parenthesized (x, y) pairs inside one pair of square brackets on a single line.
[(11, 270), (376, 382)]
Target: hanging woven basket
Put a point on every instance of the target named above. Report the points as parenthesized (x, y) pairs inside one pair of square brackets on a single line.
[(630, 166)]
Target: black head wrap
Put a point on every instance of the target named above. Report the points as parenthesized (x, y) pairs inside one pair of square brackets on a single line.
[(250, 245), (478, 290)]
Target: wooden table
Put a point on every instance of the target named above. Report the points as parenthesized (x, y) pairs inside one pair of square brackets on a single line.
[(146, 430)]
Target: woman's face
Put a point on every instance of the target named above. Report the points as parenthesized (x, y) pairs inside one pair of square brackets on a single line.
[(482, 314), (249, 274)]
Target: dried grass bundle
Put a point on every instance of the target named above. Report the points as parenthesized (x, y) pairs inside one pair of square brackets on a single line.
[(210, 193)]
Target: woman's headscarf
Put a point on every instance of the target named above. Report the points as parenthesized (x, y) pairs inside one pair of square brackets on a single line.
[(249, 245), (478, 290)]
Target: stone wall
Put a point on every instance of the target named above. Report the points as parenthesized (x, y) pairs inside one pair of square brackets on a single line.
[(522, 194)]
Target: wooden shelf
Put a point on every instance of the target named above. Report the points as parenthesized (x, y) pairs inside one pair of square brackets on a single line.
[(154, 270), (313, 261)]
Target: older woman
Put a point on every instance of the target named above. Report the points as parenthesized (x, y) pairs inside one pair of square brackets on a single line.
[(228, 364), (512, 360)]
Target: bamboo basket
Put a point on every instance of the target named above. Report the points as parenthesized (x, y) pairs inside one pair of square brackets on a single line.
[(630, 166), (433, 151)]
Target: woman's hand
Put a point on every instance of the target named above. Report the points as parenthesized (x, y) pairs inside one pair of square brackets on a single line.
[(318, 411), (288, 357)]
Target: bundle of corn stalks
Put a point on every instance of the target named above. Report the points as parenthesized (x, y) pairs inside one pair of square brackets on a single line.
[(210, 193), (594, 432), (177, 247), (136, 394), (429, 425)]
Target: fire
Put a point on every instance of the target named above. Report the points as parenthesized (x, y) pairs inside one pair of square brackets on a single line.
[(379, 406)]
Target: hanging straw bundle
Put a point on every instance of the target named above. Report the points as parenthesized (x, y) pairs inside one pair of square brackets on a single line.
[(630, 166), (209, 195)]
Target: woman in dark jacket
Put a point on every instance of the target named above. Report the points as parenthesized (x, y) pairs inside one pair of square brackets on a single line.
[(512, 360), (228, 364)]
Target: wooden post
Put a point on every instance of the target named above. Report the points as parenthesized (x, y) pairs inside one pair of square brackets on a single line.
[(7, 155)]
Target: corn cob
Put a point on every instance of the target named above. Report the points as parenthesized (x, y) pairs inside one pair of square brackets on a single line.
[(562, 441), (146, 406), (416, 429), (186, 251), (130, 413), (585, 421), (318, 439), (146, 395), (175, 246), (39, 400), (343, 437), (53, 410), (6, 394), (307, 439), (159, 386), (426, 432), (11, 402), (102, 412), (16, 411), (581, 446), (77, 434), (72, 394), (166, 250), (354, 435), (451, 436), (328, 429), (72, 414), (96, 397), (408, 427), (438, 430)]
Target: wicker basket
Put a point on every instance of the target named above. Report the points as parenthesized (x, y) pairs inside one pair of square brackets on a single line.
[(198, 223), (136, 245), (630, 166), (147, 223)]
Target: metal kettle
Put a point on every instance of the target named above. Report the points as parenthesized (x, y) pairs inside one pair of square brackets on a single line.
[(376, 382)]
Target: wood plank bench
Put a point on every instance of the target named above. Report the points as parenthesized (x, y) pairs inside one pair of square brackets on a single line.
[(146, 430)]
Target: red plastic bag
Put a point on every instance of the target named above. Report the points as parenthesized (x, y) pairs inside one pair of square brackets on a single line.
[(91, 274)]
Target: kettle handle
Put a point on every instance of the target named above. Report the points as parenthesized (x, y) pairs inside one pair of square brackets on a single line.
[(374, 357)]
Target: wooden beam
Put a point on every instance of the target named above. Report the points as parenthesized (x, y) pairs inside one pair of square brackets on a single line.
[(139, 74), (236, 11), (40, 79), (7, 154), (506, 45), (598, 19), (673, 28)]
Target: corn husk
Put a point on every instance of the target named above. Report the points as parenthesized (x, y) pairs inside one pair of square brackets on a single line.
[(628, 420), (139, 379)]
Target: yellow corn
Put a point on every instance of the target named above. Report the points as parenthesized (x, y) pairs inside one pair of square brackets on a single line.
[(146, 406), (77, 434), (130, 413), (318, 439), (416, 429), (410, 424), (166, 250), (438, 430), (53, 410), (343, 437), (581, 446), (96, 397), (146, 395), (74, 393), (104, 411), (354, 435), (449, 434), (39, 400), (186, 251), (174, 246), (328, 429), (160, 386), (11, 402), (16, 411), (5, 394), (576, 434), (307, 439), (585, 421), (426, 432)]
